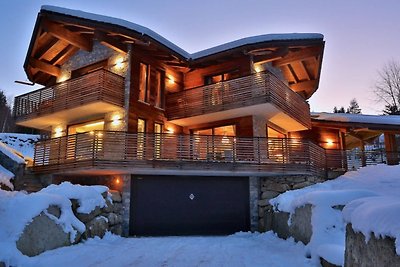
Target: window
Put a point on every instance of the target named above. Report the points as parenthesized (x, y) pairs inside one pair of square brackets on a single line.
[(159, 93), (143, 82), (141, 129), (221, 77), (219, 91), (86, 127), (157, 139)]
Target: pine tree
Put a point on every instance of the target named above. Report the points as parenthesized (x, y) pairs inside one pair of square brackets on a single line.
[(354, 108)]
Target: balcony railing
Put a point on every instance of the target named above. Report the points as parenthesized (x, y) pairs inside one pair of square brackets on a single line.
[(121, 150), (258, 88), (100, 85)]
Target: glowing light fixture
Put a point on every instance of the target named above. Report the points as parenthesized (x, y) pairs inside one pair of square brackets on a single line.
[(58, 131), (171, 80), (329, 142), (170, 130), (119, 62), (116, 120), (257, 69)]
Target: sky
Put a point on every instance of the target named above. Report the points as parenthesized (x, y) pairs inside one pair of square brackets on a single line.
[(360, 35)]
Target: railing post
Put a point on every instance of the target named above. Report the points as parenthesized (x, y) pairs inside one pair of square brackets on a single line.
[(258, 150)]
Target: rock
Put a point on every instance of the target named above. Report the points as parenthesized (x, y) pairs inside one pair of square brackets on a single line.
[(40, 235), (2, 264), (84, 217), (54, 210), (116, 229), (301, 185), (115, 196), (269, 194), (96, 227), (105, 194), (263, 202), (109, 207), (114, 218), (118, 207), (278, 187)]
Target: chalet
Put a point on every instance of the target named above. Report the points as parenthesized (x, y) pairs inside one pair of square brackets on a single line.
[(195, 142)]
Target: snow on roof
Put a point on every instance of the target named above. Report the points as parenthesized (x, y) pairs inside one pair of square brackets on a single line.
[(11, 153), (360, 118), (5, 177), (23, 143), (147, 32)]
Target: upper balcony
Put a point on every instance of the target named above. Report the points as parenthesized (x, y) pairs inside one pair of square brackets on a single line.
[(90, 95), (257, 94)]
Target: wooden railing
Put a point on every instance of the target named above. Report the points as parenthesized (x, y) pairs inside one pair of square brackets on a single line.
[(100, 85), (258, 88), (121, 150)]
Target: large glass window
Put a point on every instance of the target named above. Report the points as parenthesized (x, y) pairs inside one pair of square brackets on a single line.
[(143, 82), (157, 139), (86, 127), (141, 129), (159, 97)]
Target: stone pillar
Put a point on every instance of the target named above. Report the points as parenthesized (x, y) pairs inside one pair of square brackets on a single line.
[(254, 193), (260, 144), (126, 201), (391, 149)]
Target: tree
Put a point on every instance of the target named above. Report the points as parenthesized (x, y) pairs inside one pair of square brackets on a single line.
[(387, 88), (354, 108), (340, 110), (6, 119)]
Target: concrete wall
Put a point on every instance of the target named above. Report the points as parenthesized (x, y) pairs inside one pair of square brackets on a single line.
[(377, 252)]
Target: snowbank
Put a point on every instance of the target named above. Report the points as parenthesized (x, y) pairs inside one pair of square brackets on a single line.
[(12, 153), (328, 239), (378, 215), (17, 209), (5, 177), (23, 143), (360, 118)]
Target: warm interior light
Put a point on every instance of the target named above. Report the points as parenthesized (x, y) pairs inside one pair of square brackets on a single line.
[(170, 130), (63, 78), (257, 69), (171, 80), (329, 142), (58, 131), (117, 181)]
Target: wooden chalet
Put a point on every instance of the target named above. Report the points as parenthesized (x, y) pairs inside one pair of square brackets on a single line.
[(121, 103)]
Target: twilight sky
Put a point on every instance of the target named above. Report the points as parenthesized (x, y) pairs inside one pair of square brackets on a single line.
[(361, 35)]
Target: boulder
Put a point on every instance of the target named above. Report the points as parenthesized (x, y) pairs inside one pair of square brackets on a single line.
[(40, 235), (269, 194), (115, 196), (109, 207), (96, 227), (86, 217), (116, 229), (114, 218)]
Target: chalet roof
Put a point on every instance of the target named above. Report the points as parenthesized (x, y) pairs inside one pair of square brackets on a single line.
[(203, 53), (357, 118)]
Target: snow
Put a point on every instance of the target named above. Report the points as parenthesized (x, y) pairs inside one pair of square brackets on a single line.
[(5, 177), (11, 153), (147, 32), (241, 249), (22, 143), (88, 197), (18, 209), (353, 189), (360, 118), (377, 215)]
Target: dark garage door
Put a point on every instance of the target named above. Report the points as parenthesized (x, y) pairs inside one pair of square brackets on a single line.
[(194, 205)]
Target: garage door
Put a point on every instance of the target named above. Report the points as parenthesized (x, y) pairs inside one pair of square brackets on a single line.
[(194, 205)]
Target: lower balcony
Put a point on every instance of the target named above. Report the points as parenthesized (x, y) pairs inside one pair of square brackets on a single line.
[(87, 96), (104, 152), (260, 94)]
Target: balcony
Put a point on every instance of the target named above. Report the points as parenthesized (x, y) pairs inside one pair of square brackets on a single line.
[(257, 94), (105, 152), (90, 95)]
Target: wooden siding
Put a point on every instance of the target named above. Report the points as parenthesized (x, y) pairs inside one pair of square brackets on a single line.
[(101, 85), (124, 151), (249, 90)]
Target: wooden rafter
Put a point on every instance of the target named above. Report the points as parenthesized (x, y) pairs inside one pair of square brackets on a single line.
[(304, 70), (278, 54), (64, 34), (299, 55), (303, 86), (64, 55), (45, 67), (110, 42)]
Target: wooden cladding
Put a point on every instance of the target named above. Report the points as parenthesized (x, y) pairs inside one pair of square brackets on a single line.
[(100, 85), (121, 150), (245, 91)]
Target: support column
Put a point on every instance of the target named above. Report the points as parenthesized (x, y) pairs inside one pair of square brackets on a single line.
[(363, 156), (126, 203), (254, 193), (392, 156)]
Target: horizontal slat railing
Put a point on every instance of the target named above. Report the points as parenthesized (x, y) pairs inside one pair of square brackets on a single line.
[(169, 151), (258, 88), (100, 85)]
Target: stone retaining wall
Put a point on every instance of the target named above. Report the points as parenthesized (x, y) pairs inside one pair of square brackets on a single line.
[(43, 234), (377, 252)]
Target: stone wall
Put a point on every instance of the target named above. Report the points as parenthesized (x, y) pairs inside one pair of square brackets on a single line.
[(377, 252), (43, 234), (271, 187), (16, 168)]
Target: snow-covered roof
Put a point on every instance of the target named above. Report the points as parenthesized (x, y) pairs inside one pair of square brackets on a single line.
[(356, 118), (147, 32)]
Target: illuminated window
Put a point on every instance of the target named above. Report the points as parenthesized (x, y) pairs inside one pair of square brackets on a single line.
[(143, 82), (141, 138), (157, 139), (86, 127), (272, 133), (158, 82)]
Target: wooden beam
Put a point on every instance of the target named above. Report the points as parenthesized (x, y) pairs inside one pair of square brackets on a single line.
[(304, 69), (278, 54), (64, 34), (45, 67), (298, 55), (64, 55), (110, 42), (303, 86)]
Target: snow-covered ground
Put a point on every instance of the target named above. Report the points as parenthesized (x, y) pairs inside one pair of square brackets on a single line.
[(23, 143), (376, 187), (241, 249)]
